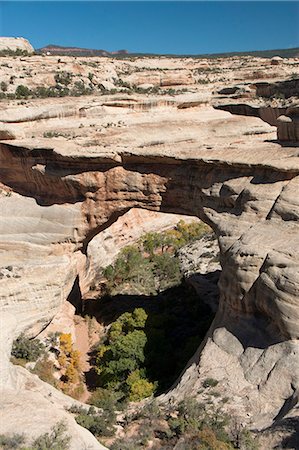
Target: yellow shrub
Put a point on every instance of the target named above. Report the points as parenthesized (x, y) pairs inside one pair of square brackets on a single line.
[(75, 358), (62, 359), (139, 387), (71, 374), (209, 438), (65, 343)]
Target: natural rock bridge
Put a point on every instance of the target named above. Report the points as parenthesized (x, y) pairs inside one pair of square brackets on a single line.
[(55, 199)]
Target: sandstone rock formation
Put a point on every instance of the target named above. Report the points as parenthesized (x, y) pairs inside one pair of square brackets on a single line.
[(76, 168), (15, 43), (282, 110)]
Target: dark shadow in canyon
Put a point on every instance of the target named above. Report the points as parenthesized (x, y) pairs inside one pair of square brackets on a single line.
[(178, 320), (75, 297), (283, 143)]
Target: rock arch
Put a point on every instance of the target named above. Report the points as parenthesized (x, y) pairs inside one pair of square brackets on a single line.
[(252, 207)]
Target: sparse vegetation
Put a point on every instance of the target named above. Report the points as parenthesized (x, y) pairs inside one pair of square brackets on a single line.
[(45, 369), (17, 52), (11, 441), (55, 439), (98, 423), (63, 78), (210, 382), (151, 266), (3, 86), (189, 426), (57, 363), (27, 349), (54, 134)]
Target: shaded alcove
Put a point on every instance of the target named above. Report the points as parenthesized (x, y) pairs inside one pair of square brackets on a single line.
[(178, 320), (75, 297)]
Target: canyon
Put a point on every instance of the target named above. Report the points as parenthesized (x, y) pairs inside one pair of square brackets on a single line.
[(83, 176)]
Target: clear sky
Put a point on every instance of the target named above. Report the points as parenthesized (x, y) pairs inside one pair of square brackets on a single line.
[(179, 27)]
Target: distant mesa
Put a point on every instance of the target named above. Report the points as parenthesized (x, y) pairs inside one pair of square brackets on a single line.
[(15, 44), (76, 51)]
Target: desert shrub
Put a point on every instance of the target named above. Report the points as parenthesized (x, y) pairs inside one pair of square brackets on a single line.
[(197, 426), (3, 86), (17, 52), (28, 349), (51, 91), (135, 442), (52, 134), (42, 92), (44, 369), (22, 92), (105, 399), (99, 424), (80, 89), (244, 439), (11, 441), (56, 439), (209, 382), (166, 270), (63, 78)]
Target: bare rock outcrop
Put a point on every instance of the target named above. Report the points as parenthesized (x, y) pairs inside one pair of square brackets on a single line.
[(15, 43), (277, 104), (42, 401), (164, 79)]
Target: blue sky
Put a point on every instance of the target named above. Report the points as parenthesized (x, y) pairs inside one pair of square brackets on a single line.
[(158, 27)]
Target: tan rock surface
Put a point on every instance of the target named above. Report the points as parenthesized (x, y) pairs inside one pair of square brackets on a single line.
[(275, 103), (15, 43)]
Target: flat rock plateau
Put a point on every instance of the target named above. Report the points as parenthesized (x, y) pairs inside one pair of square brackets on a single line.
[(132, 139)]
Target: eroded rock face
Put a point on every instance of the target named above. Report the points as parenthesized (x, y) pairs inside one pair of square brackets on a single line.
[(15, 43), (277, 104), (59, 194)]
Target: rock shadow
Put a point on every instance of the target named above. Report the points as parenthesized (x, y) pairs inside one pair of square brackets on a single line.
[(178, 320)]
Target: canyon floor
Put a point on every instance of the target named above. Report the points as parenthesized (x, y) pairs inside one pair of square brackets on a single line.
[(130, 145)]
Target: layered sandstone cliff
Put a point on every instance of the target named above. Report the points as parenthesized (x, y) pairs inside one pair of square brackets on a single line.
[(275, 103)]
